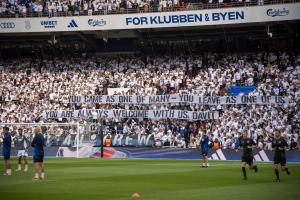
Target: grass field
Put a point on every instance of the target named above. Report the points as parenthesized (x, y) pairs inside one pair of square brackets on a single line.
[(155, 179)]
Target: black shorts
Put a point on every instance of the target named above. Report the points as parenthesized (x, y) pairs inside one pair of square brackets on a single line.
[(280, 159), (247, 159), (6, 156), (39, 158)]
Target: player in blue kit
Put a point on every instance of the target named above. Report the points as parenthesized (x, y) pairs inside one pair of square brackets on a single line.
[(6, 151), (38, 143), (204, 143)]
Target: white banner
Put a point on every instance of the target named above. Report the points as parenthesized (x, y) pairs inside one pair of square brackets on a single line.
[(208, 17), (120, 113), (114, 91), (179, 98), (122, 91)]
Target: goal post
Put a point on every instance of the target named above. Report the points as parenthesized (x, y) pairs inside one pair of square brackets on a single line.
[(60, 132)]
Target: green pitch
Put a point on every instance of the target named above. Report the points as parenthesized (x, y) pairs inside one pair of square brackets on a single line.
[(153, 179)]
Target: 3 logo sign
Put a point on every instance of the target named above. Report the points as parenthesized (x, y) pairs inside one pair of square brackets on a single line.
[(72, 24)]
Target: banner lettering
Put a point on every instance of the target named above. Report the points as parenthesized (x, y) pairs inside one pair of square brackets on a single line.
[(121, 113), (178, 98)]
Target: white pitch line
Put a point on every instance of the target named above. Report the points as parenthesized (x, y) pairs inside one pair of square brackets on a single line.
[(200, 164)]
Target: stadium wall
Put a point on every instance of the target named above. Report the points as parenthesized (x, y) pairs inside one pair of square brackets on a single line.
[(239, 15), (164, 153)]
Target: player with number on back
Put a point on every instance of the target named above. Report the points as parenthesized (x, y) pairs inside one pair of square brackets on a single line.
[(247, 144), (279, 144), (204, 143)]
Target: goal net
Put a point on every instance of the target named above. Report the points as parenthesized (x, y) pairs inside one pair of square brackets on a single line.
[(57, 136)]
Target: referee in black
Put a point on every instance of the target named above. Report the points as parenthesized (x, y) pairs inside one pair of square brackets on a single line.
[(247, 144), (279, 145)]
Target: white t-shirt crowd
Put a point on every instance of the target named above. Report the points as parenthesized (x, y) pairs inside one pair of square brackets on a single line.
[(28, 88), (54, 7)]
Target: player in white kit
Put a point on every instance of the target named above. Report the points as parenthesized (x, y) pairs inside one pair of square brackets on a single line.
[(22, 144)]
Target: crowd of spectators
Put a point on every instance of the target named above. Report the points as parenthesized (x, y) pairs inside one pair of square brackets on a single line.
[(30, 87), (23, 8)]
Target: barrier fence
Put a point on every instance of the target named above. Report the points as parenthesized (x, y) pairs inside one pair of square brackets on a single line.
[(86, 139), (260, 155)]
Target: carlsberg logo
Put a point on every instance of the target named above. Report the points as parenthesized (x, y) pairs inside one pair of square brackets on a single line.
[(277, 12), (95, 22)]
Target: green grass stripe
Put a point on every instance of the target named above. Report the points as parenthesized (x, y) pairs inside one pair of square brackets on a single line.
[(165, 179)]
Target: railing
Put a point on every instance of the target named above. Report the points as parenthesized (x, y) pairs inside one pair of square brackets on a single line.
[(147, 9)]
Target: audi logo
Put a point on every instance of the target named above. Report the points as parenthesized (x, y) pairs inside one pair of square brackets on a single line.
[(7, 25)]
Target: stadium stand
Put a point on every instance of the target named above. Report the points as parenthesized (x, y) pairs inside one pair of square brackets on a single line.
[(247, 49), (55, 8), (29, 87)]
